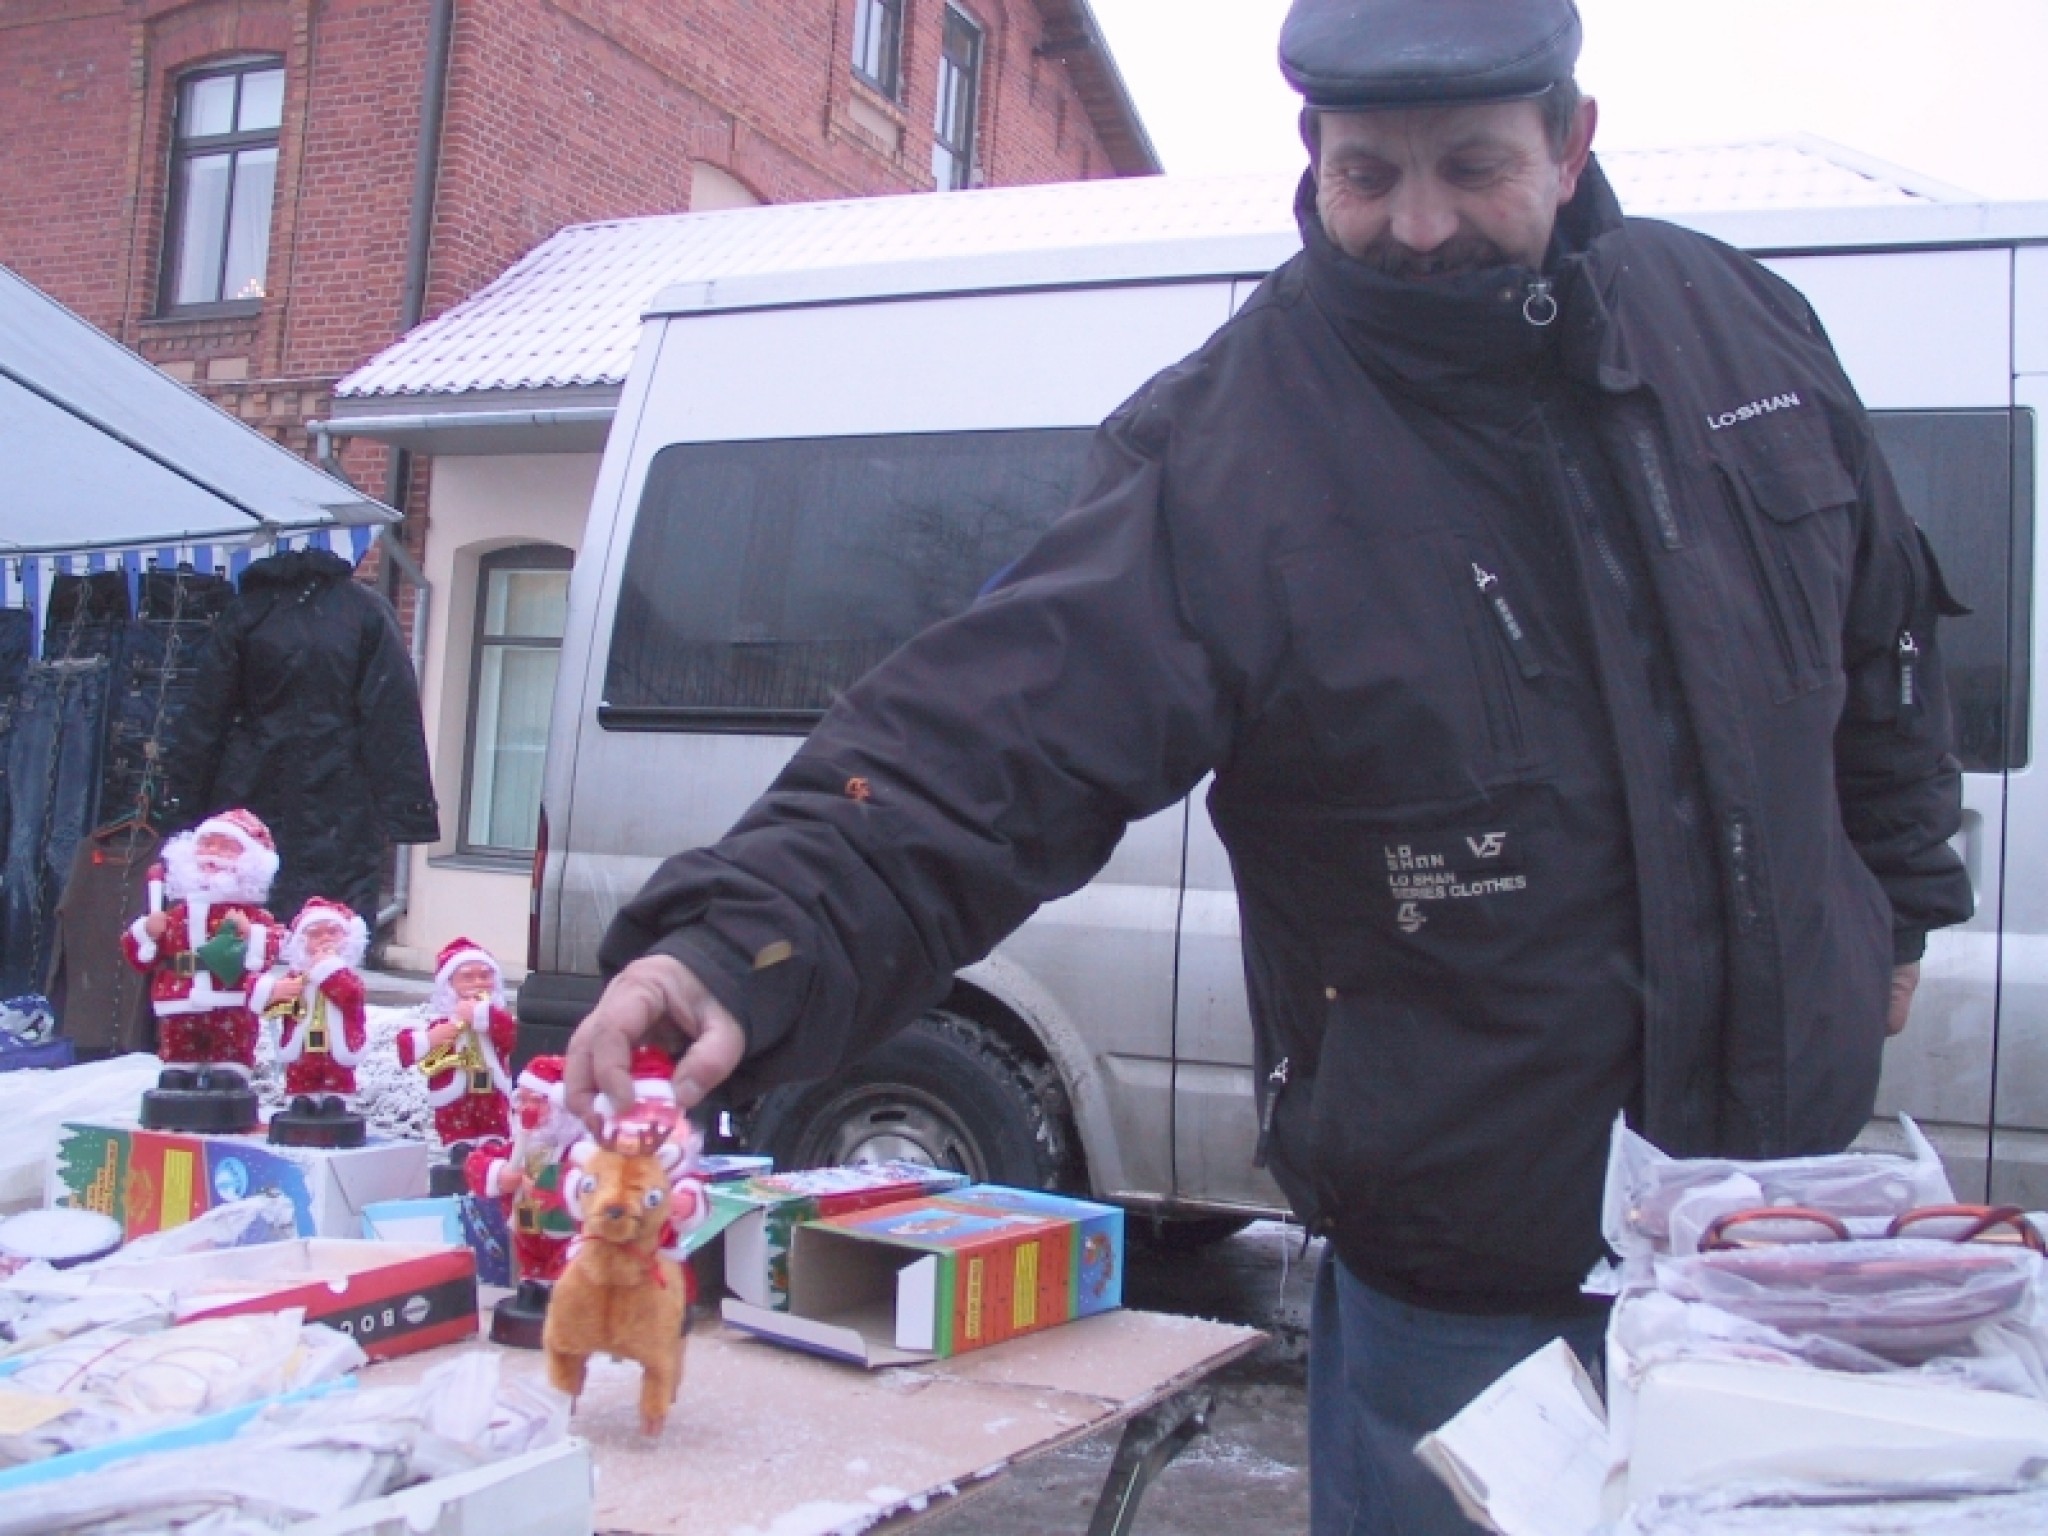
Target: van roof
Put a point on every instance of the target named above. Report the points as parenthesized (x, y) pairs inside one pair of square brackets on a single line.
[(566, 317)]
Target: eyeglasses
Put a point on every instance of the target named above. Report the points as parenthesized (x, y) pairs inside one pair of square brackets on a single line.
[(1773, 1225)]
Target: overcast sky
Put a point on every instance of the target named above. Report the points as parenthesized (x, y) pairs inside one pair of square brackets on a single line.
[(1951, 89)]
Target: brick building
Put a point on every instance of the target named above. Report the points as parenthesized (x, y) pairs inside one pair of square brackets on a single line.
[(259, 195)]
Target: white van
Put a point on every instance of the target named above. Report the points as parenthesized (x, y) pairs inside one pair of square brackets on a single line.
[(808, 466)]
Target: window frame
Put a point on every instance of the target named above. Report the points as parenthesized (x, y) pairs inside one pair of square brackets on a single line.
[(182, 152), (966, 156), (888, 84), (517, 557)]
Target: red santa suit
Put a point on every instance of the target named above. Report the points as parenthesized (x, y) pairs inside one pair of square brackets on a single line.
[(201, 1020), (469, 1085), (323, 1033), (536, 1214)]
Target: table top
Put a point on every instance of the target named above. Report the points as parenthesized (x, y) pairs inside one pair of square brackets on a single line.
[(768, 1441)]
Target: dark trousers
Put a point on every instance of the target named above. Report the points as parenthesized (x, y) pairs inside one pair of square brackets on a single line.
[(1381, 1375)]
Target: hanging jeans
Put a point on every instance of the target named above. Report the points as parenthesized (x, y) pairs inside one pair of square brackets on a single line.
[(159, 662), (53, 768), (16, 635)]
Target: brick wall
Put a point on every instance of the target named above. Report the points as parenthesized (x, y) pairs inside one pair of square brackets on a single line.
[(558, 111)]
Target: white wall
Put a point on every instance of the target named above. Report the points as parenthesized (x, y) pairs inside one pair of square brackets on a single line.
[(478, 505)]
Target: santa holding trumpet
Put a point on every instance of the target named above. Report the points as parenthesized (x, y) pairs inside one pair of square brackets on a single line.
[(464, 1046)]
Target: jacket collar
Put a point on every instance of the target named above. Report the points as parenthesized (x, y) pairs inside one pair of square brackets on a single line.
[(1433, 337)]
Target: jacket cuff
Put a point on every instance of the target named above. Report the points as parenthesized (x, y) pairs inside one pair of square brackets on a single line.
[(1908, 945)]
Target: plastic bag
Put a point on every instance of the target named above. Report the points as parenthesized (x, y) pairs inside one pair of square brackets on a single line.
[(1905, 1299), (34, 1104), (1654, 1204)]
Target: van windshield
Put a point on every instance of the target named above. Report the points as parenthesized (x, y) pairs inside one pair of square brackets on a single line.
[(763, 578)]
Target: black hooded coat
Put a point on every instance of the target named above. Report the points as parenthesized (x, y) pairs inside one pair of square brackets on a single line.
[(305, 711), (1574, 703)]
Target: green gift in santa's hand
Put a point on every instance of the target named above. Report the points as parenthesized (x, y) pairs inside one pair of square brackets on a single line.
[(223, 955)]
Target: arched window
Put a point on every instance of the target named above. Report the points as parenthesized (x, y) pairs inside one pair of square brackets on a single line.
[(223, 183), (522, 604)]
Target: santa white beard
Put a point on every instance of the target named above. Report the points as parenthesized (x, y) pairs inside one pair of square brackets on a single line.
[(553, 1137), (247, 879)]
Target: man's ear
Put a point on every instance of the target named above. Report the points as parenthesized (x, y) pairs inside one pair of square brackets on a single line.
[(1578, 147)]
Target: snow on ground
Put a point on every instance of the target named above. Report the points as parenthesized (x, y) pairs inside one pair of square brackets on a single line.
[(391, 1097)]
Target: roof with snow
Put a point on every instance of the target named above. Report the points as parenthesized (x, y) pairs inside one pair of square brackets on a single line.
[(566, 317)]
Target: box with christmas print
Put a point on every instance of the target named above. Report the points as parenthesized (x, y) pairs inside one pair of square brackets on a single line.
[(152, 1180), (757, 1216), (927, 1278)]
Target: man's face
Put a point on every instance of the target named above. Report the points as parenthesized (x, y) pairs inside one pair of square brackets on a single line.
[(1433, 192)]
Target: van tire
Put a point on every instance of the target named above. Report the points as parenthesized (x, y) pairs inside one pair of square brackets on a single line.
[(945, 1091), (1184, 1234)]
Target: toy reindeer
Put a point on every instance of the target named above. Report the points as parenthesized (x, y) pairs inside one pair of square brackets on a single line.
[(624, 1292)]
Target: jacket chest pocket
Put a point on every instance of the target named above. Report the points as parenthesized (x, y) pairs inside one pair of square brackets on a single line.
[(1411, 666), (1792, 522)]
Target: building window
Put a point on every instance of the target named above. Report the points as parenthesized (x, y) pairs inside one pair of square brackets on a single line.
[(521, 606), (878, 44), (959, 103), (223, 176)]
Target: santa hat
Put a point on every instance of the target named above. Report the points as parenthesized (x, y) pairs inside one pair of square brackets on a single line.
[(245, 827), (255, 865), (543, 1075), (455, 954), (653, 1075), (320, 910)]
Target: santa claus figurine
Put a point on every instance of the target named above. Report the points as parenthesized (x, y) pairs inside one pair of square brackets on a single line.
[(318, 1002), (464, 1046), (206, 933), (524, 1175)]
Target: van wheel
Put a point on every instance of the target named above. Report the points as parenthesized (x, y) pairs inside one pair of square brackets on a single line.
[(945, 1092)]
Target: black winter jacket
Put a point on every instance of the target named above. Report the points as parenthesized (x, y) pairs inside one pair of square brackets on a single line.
[(305, 710), (1345, 556)]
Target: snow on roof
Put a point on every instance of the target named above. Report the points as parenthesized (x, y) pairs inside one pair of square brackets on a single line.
[(567, 315)]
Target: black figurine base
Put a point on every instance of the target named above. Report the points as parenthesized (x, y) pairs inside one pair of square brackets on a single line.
[(519, 1320), (326, 1121), (201, 1101), (447, 1177)]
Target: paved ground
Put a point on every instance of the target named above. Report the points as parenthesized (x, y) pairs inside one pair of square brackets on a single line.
[(1249, 1473)]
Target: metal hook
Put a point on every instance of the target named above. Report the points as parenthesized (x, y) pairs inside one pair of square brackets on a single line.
[(1540, 307)]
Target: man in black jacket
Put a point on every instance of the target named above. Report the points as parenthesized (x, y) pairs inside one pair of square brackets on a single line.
[(1531, 583)]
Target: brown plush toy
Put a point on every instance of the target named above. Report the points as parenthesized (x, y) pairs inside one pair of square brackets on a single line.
[(621, 1294)]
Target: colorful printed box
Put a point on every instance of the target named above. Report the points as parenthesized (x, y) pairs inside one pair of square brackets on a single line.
[(942, 1275), (757, 1216), (152, 1180)]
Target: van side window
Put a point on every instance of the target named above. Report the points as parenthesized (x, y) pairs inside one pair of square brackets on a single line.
[(1967, 478), (764, 577)]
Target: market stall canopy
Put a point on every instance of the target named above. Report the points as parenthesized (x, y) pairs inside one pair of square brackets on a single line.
[(104, 452)]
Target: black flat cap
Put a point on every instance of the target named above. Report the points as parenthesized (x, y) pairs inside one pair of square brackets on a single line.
[(1355, 55)]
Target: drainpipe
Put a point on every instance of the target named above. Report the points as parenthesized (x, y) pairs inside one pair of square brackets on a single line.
[(419, 239)]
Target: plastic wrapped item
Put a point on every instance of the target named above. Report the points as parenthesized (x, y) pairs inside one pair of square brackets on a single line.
[(1655, 1204), (34, 1104), (1905, 1299), (238, 1224), (138, 1383), (307, 1459), (1952, 1506)]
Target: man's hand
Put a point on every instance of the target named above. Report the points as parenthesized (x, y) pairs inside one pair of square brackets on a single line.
[(657, 1000), (1904, 979), (155, 925), (442, 1032), (287, 989), (236, 923)]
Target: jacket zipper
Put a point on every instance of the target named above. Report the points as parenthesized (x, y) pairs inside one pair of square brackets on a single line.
[(1909, 682), (1661, 505), (1276, 1084), (1740, 875), (1511, 629)]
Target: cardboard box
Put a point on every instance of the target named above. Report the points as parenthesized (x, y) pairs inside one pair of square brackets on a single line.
[(757, 1216), (938, 1276), (391, 1298), (150, 1180), (732, 1167), (451, 1219)]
